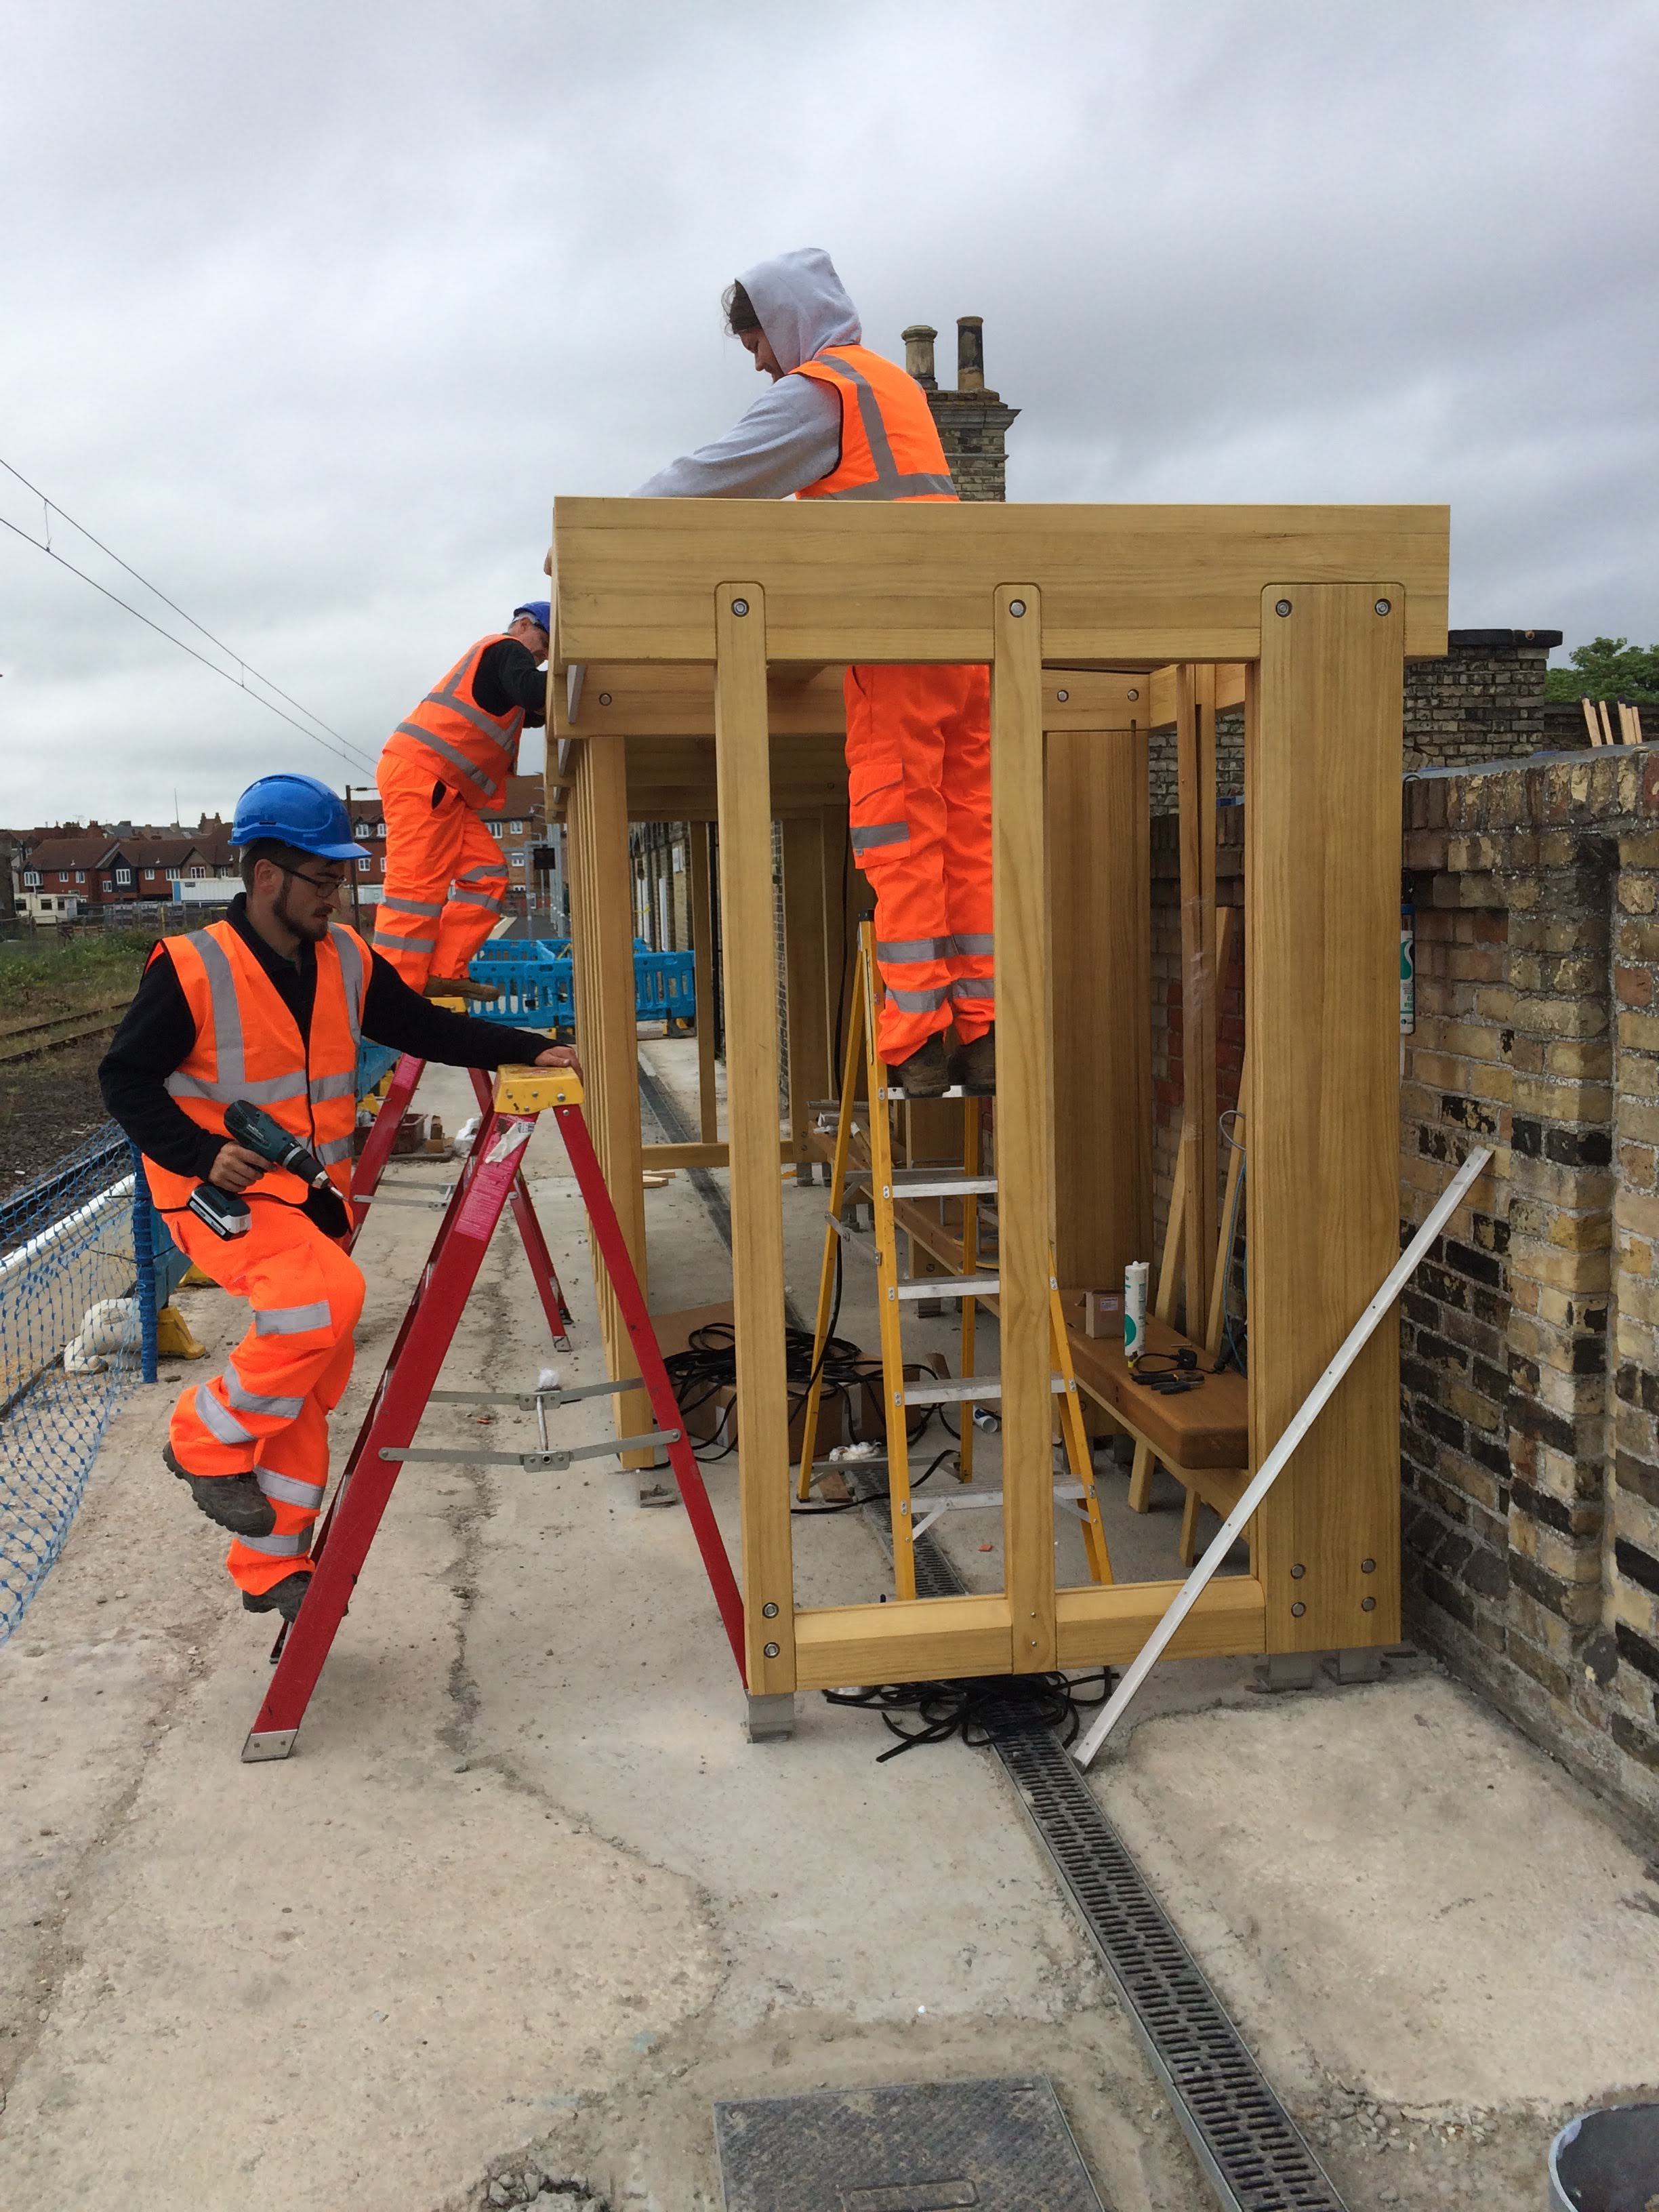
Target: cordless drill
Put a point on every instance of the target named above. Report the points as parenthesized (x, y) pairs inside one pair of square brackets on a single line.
[(225, 1211)]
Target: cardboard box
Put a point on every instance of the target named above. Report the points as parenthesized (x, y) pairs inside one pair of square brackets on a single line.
[(714, 1420)]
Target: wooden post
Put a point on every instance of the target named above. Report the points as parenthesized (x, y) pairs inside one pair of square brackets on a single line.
[(1195, 774), (703, 948), (1100, 899), (743, 780), (806, 973), (1025, 1152), (1321, 883), (602, 950)]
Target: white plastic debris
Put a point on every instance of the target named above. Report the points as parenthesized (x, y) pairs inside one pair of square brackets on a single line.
[(871, 1450), (548, 1379), (465, 1135), (111, 1326)]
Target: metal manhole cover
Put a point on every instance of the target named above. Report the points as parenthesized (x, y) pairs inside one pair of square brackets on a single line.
[(998, 2146)]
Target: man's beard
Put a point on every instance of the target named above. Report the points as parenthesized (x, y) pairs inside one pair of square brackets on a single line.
[(314, 931)]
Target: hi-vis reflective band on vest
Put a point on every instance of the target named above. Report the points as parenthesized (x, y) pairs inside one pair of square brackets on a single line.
[(473, 752), (248, 1047), (889, 444)]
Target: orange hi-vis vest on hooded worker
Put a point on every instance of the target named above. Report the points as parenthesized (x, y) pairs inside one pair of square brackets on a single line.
[(890, 443), (474, 753), (248, 1047)]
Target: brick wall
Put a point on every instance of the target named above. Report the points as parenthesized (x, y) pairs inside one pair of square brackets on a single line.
[(1484, 702), (1529, 1340)]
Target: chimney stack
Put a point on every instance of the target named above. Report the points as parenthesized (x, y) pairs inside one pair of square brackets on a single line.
[(970, 353), (919, 354)]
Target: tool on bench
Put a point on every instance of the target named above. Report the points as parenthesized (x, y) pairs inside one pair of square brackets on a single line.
[(225, 1211), (483, 1191)]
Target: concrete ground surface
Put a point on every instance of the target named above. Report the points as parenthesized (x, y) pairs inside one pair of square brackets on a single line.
[(524, 1893)]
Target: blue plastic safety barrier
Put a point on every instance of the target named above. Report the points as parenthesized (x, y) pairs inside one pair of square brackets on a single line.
[(536, 979)]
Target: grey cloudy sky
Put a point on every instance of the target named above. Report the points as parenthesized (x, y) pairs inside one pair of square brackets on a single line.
[(311, 310)]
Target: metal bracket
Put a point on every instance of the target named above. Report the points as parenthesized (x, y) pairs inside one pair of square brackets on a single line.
[(771, 1717), (274, 1743), (1361, 1663)]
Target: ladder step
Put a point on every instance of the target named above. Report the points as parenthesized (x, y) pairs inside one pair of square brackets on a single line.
[(972, 1392), (930, 1184), (947, 1286)]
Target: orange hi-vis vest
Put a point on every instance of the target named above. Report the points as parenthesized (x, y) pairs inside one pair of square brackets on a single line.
[(474, 753), (248, 1047), (890, 443)]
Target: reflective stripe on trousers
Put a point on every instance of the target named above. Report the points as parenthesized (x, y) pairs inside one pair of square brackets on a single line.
[(441, 862)]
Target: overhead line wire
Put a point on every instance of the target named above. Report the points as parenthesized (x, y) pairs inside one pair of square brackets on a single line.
[(52, 507)]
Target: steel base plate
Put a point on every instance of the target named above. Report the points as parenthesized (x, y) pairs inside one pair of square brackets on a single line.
[(999, 2145)]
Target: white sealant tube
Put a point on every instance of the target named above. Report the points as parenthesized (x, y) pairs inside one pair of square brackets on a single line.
[(1134, 1309)]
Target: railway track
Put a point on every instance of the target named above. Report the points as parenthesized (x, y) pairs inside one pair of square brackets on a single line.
[(26, 1039)]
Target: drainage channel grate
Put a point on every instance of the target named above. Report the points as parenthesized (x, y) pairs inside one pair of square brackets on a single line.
[(1246, 2143)]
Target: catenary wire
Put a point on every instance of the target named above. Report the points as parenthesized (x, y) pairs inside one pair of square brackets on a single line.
[(344, 749)]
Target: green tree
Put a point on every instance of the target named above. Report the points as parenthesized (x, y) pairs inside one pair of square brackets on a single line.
[(1606, 668)]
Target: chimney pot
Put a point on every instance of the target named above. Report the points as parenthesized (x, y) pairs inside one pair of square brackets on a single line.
[(970, 353), (919, 354)]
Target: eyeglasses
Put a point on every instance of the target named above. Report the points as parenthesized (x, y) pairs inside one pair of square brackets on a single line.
[(328, 886)]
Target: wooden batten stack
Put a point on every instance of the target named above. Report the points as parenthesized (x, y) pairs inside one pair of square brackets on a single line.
[(713, 635)]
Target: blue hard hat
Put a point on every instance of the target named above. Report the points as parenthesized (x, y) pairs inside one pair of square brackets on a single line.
[(298, 810), (539, 611)]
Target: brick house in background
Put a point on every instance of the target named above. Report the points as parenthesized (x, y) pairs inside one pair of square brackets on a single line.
[(519, 826)]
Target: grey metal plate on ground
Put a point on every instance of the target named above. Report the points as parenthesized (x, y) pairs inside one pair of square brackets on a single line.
[(999, 2145)]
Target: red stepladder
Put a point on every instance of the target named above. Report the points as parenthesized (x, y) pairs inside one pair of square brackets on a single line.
[(385, 1441), (371, 1166)]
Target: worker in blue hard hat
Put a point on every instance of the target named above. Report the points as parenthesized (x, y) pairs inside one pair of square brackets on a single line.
[(269, 1007), (445, 880)]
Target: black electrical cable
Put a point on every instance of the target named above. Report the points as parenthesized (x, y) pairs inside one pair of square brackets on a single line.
[(982, 1709)]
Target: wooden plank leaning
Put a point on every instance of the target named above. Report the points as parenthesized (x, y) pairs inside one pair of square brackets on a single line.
[(1280, 1457)]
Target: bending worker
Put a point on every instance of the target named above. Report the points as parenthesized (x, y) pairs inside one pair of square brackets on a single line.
[(445, 880), (269, 1007), (843, 422)]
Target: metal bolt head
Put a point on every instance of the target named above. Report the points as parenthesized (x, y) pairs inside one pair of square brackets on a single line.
[(1282, 607), (770, 1612), (1298, 1610), (1368, 1566), (604, 698), (1368, 1605), (770, 1650), (1298, 1571), (1062, 697), (739, 606), (1383, 606), (1132, 694), (1017, 607)]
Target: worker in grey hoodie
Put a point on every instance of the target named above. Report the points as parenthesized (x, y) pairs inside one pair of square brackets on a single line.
[(838, 421)]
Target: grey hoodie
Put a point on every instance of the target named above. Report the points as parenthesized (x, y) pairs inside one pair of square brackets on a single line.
[(790, 436)]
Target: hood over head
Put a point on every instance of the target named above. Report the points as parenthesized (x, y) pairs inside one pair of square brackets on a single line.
[(801, 304)]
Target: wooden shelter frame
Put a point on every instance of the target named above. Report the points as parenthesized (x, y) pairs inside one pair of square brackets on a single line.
[(698, 667)]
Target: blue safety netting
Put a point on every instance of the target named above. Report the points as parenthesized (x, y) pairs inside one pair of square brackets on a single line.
[(69, 1348)]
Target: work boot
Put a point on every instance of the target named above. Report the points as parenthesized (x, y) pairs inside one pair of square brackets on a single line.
[(459, 987), (284, 1597), (924, 1074), (975, 1066), (234, 1501)]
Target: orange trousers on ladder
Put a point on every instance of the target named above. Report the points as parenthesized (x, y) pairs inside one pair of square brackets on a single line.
[(918, 787), (446, 879), (266, 1411)]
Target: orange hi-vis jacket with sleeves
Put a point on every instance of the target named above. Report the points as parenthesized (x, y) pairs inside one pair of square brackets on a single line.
[(890, 443), (248, 1047), (450, 735)]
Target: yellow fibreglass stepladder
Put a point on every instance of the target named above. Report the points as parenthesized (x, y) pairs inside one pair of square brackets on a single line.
[(877, 1179)]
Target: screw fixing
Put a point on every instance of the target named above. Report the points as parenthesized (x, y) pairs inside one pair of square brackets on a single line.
[(1132, 695), (1368, 1566), (1298, 1571), (1383, 606), (770, 1612), (604, 698), (1298, 1610), (1062, 697), (1282, 607), (1017, 607), (1368, 1605), (770, 1650), (739, 606)]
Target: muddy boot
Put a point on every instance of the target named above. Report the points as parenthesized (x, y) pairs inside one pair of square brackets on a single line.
[(459, 987), (924, 1074), (234, 1501), (975, 1066), (284, 1597)]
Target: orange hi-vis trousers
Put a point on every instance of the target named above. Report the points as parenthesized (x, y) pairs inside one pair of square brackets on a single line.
[(445, 878), (919, 787), (266, 1413)]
